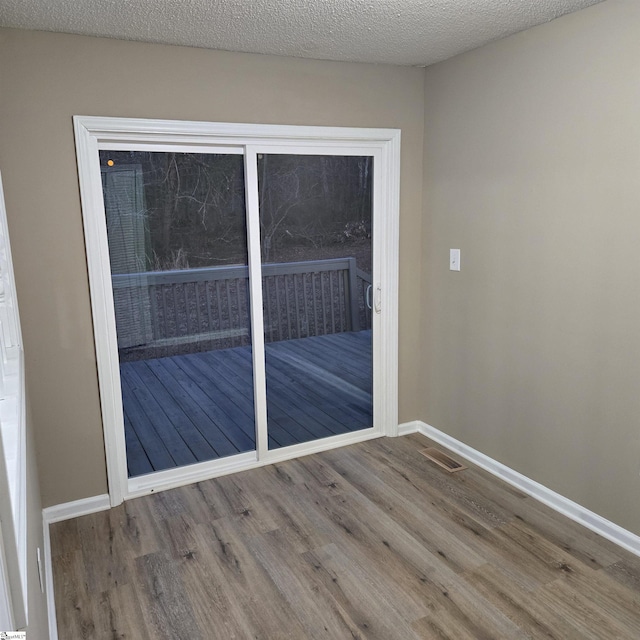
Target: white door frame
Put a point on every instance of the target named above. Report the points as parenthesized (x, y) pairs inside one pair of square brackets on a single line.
[(95, 133)]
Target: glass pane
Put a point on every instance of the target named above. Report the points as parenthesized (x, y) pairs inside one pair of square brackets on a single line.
[(315, 223), (177, 242)]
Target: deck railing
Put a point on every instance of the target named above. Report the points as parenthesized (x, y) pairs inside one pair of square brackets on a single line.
[(208, 307)]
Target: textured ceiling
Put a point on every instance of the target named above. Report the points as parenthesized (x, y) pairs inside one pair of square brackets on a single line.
[(409, 32)]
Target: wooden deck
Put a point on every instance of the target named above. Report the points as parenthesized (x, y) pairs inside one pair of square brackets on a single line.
[(191, 408)]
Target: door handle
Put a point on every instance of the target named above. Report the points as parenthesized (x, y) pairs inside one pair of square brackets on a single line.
[(377, 302), (367, 296)]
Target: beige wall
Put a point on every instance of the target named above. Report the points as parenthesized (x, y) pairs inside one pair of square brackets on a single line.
[(532, 169), (46, 79)]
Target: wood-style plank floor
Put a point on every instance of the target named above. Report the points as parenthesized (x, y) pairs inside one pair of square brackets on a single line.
[(368, 541), (180, 410)]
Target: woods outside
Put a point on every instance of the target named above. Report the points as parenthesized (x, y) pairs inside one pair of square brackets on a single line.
[(185, 212), (192, 209)]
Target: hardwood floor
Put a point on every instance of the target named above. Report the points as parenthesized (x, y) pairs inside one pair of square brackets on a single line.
[(180, 410), (368, 541)]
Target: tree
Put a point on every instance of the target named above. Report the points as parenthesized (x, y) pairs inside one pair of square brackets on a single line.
[(195, 203)]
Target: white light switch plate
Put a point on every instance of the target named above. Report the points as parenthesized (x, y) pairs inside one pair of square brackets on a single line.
[(454, 259)]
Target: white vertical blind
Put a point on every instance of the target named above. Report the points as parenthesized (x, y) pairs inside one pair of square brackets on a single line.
[(125, 210)]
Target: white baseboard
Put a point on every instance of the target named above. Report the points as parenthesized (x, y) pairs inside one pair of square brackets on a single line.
[(75, 509), (607, 529), (406, 428)]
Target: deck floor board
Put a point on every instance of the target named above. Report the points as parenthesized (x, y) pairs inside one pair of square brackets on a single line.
[(177, 394), (195, 407), (238, 371), (153, 445), (175, 413)]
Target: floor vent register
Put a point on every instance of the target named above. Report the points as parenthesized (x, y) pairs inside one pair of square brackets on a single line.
[(442, 459)]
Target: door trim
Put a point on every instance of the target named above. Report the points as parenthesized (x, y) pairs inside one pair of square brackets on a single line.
[(256, 307), (95, 133)]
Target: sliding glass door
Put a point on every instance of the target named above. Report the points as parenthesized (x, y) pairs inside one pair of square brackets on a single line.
[(176, 226), (177, 235), (316, 255), (243, 286)]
